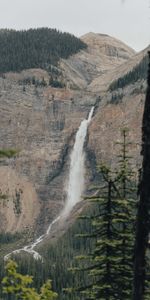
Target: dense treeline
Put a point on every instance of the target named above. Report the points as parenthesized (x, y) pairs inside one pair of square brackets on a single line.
[(54, 81), (8, 237), (58, 256), (138, 72), (35, 48), (17, 286)]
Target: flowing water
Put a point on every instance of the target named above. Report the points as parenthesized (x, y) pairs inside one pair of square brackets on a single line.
[(75, 185), (76, 173)]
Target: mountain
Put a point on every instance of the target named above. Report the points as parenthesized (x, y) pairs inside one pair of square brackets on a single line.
[(102, 55), (104, 81), (40, 122)]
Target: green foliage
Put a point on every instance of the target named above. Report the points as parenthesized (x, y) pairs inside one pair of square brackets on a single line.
[(8, 237), (8, 153), (116, 97), (19, 287), (57, 84), (58, 255), (33, 81), (138, 72), (55, 81), (17, 201), (35, 48), (109, 267), (46, 292)]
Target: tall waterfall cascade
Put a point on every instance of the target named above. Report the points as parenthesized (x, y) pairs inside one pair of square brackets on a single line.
[(75, 186)]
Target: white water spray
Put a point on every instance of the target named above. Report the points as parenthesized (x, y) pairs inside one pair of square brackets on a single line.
[(76, 174), (74, 189)]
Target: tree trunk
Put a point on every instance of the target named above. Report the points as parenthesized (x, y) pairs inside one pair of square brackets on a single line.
[(143, 215)]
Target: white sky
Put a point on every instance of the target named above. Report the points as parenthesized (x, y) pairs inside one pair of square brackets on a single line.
[(128, 20)]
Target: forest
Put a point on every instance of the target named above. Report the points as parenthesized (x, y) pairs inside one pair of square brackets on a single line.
[(35, 48)]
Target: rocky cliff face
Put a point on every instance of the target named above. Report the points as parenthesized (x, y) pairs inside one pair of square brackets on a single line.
[(104, 132), (40, 122)]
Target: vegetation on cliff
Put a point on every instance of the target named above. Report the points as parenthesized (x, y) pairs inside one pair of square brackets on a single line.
[(138, 72), (35, 48)]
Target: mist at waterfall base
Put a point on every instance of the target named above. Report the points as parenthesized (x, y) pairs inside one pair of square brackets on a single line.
[(75, 186)]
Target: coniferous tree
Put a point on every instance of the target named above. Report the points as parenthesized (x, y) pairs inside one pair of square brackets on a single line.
[(143, 216), (18, 287), (138, 72), (110, 272), (35, 48)]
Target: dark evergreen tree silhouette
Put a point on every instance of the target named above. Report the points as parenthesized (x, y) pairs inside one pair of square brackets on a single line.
[(138, 72), (35, 48), (143, 215)]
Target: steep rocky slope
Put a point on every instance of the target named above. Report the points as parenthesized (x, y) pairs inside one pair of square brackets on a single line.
[(104, 132), (103, 54), (40, 122), (102, 82), (20, 208)]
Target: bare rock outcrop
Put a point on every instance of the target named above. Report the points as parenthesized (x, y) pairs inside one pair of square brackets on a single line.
[(19, 203), (104, 53)]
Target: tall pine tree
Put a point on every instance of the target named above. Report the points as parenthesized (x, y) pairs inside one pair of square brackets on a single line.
[(110, 269), (143, 216)]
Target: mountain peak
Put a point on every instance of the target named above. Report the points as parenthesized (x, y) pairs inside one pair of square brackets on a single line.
[(92, 34), (107, 45)]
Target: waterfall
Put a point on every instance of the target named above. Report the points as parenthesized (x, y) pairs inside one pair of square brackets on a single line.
[(75, 185), (76, 173)]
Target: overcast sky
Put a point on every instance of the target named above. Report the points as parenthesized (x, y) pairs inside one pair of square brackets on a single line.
[(128, 20)]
